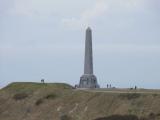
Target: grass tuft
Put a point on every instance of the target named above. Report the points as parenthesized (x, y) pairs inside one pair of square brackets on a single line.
[(51, 96), (39, 101)]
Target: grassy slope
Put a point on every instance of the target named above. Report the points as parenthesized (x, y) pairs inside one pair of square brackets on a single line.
[(33, 101)]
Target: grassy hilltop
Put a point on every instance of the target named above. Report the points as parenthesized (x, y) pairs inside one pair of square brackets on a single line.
[(36, 101)]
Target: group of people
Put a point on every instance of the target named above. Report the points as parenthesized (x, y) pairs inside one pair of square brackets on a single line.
[(109, 86), (42, 80), (135, 88)]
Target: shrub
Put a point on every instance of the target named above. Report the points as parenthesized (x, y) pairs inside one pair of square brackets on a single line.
[(119, 117), (65, 117), (39, 101), (20, 96), (155, 95), (152, 115), (50, 96), (158, 114)]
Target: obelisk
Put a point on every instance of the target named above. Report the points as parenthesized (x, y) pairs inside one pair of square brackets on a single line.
[(88, 79), (88, 60)]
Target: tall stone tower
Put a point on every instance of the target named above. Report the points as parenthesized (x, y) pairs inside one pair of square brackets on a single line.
[(88, 79)]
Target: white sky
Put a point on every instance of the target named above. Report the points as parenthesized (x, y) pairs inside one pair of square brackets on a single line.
[(45, 39)]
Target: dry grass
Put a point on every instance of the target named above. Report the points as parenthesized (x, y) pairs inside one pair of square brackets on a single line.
[(20, 96), (35, 101)]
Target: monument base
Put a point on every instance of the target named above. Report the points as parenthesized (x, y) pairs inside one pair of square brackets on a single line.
[(88, 81)]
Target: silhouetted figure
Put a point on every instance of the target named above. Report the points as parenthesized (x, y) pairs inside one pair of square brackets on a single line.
[(42, 80), (107, 85), (110, 86), (135, 88)]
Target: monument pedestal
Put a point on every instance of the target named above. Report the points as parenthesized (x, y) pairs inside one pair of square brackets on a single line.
[(88, 81)]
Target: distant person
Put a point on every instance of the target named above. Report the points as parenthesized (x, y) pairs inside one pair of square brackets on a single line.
[(135, 88), (107, 85), (42, 80), (110, 86)]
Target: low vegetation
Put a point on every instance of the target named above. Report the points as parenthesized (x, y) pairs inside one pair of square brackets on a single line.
[(37, 101), (130, 96), (65, 117), (50, 96), (119, 117), (20, 96)]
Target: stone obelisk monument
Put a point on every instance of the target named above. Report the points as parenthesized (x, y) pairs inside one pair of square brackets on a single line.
[(88, 79)]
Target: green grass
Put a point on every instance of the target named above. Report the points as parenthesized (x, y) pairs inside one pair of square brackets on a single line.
[(30, 86)]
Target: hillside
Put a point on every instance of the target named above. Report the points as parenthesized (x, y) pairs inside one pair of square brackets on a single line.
[(36, 101)]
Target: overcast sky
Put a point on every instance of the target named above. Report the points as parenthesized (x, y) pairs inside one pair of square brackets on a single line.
[(45, 39)]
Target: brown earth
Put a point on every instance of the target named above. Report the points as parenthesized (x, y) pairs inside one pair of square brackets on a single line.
[(36, 101)]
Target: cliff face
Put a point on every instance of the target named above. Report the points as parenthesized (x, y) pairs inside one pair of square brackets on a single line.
[(33, 101)]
